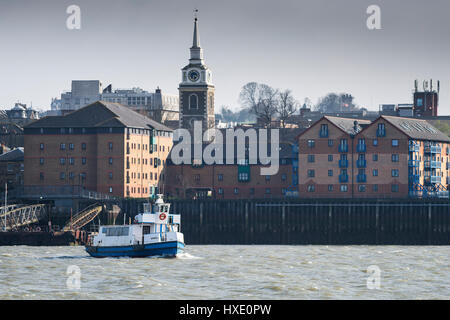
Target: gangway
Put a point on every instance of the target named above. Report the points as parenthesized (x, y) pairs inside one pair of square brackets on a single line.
[(83, 217), (15, 216)]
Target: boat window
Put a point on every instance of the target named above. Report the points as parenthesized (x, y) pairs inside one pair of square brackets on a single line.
[(116, 231), (146, 229)]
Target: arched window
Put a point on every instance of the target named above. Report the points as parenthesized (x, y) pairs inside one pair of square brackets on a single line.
[(193, 101)]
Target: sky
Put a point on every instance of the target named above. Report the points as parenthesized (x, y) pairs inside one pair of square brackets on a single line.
[(311, 47)]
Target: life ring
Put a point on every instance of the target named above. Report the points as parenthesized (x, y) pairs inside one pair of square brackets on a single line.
[(37, 229), (162, 216), (26, 229)]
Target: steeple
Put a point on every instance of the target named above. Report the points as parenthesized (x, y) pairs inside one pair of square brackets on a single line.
[(196, 39), (196, 50)]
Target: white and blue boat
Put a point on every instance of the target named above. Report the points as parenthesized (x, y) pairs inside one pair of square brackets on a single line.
[(155, 232)]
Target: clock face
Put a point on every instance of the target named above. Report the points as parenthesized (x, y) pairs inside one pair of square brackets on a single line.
[(193, 75)]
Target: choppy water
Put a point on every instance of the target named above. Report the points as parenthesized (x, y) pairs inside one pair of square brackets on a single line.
[(229, 272)]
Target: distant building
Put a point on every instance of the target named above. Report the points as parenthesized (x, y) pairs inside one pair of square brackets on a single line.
[(20, 115), (239, 180), (103, 147), (158, 106), (426, 101), (391, 157), (405, 110), (11, 169)]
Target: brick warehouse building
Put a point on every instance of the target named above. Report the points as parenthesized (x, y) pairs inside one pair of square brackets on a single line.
[(234, 181), (392, 157), (103, 147)]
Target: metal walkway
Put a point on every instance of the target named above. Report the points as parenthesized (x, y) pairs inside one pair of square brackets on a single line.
[(83, 218), (15, 216)]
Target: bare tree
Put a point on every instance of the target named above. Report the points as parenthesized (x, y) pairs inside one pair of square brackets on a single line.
[(262, 101), (286, 107)]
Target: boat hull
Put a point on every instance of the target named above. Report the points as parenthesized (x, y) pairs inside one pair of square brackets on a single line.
[(166, 249)]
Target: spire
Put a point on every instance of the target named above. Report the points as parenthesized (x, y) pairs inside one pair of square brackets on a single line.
[(196, 51), (196, 39)]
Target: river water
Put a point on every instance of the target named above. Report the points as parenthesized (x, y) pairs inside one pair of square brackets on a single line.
[(230, 272)]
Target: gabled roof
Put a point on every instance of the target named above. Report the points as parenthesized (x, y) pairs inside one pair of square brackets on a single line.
[(13, 155), (346, 125), (100, 114), (417, 129)]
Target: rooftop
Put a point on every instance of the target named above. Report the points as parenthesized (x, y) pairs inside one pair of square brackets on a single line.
[(100, 114)]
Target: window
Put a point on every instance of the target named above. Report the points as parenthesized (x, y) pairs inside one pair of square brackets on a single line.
[(394, 142), (395, 158), (41, 176), (71, 161), (62, 146), (110, 145), (220, 177), (41, 161), (267, 178), (375, 172), (419, 102), (193, 101), (110, 175), (83, 160), (330, 187), (283, 177), (375, 142), (83, 146), (110, 160), (110, 189), (243, 176), (41, 146), (236, 190), (267, 190), (196, 177), (252, 190), (394, 172), (62, 175), (311, 188), (344, 188), (311, 143), (311, 158), (375, 188), (330, 158), (362, 188), (330, 173), (323, 130), (394, 187), (311, 173), (220, 191), (71, 146), (62, 161), (71, 175), (330, 142), (375, 157)]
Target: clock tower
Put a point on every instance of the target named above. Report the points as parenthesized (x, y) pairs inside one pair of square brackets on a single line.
[(196, 89)]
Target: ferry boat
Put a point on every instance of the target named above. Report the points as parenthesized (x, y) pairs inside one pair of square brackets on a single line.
[(155, 232)]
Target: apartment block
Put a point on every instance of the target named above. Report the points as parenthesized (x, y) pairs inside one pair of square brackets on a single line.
[(239, 180), (103, 147), (391, 157)]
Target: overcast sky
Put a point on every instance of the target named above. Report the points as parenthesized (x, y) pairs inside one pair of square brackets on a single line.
[(312, 47)]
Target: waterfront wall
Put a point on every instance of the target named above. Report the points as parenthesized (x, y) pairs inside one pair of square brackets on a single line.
[(315, 222), (296, 221)]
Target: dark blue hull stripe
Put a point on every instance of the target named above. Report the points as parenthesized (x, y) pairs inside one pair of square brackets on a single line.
[(152, 249)]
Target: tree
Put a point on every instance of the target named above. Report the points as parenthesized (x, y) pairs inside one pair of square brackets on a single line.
[(262, 101), (333, 102), (286, 106)]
